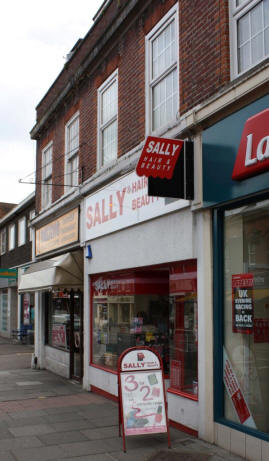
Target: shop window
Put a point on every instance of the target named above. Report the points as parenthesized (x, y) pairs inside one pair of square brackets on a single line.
[(58, 318), (249, 33), (162, 63), (183, 326), (72, 151), (4, 314), (108, 120), (134, 309), (246, 315)]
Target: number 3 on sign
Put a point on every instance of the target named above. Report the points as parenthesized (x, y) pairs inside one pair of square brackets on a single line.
[(130, 379)]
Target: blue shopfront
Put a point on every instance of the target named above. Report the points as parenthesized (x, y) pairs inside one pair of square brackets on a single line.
[(238, 147)]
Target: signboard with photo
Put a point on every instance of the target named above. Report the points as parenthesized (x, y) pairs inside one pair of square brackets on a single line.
[(242, 298), (59, 335), (142, 403)]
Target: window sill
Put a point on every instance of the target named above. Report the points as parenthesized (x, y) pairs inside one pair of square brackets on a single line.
[(183, 394), (104, 368)]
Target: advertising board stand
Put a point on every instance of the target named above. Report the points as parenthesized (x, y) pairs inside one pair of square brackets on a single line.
[(142, 401)]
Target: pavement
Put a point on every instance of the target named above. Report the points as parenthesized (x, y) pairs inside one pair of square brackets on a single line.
[(44, 417)]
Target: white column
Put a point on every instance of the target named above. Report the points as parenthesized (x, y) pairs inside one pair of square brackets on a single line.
[(39, 330), (205, 324)]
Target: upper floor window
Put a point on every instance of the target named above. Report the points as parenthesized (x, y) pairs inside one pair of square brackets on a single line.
[(249, 34), (71, 151), (31, 216), (108, 120), (47, 175), (11, 237), (3, 241), (21, 231), (162, 67)]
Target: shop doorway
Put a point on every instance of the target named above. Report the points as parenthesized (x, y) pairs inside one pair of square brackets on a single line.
[(76, 335)]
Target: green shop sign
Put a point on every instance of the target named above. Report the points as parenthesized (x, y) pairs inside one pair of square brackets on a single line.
[(9, 273)]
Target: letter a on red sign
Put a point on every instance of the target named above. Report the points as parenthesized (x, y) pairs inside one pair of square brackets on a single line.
[(159, 157)]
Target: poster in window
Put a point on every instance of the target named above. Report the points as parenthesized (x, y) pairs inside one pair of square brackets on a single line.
[(59, 335), (26, 309), (242, 299)]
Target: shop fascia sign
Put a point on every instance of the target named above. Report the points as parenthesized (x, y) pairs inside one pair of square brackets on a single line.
[(253, 153)]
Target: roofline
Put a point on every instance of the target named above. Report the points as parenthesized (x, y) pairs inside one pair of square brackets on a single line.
[(17, 208)]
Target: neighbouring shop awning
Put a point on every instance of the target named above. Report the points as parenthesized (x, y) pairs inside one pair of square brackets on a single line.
[(65, 272)]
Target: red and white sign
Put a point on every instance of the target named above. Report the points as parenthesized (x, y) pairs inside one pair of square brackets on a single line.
[(253, 153), (159, 157), (236, 395), (242, 298), (59, 335), (122, 203), (142, 403)]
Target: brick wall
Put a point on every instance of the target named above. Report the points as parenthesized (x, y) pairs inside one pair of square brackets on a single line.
[(204, 69)]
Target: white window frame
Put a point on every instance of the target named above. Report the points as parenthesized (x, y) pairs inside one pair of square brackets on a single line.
[(22, 231), (236, 13), (46, 188), (172, 15), (11, 237), (70, 156), (113, 78), (3, 241)]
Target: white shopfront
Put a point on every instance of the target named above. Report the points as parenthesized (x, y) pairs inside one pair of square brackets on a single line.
[(144, 284)]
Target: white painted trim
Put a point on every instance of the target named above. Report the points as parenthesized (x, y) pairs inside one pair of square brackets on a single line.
[(114, 77), (171, 15), (43, 178)]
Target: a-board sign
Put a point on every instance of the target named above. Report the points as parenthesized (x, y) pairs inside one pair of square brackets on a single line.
[(142, 402)]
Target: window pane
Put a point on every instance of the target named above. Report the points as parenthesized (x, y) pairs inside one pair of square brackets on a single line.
[(163, 50), (164, 101), (109, 103), (246, 314), (21, 232), (244, 57), (266, 40), (73, 137), (256, 19), (109, 143), (243, 30), (73, 166), (257, 48), (266, 12)]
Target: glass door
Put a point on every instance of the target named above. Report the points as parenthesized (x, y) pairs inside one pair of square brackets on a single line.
[(76, 336)]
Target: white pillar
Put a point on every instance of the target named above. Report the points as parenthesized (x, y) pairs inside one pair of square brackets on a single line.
[(205, 324), (39, 330)]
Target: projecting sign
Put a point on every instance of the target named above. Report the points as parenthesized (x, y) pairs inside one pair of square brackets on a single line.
[(253, 153), (142, 403), (159, 157)]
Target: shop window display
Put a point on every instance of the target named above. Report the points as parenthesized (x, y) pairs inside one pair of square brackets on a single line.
[(155, 308), (59, 319), (246, 315)]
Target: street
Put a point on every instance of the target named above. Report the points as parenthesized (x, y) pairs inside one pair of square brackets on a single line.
[(44, 417)]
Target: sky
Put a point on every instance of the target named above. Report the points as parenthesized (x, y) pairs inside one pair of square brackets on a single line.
[(35, 37)]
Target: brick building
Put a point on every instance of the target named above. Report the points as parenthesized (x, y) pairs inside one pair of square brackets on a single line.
[(124, 268), (16, 252)]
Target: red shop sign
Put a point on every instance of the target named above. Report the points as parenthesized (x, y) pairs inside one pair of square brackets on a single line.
[(253, 153), (141, 390), (159, 157)]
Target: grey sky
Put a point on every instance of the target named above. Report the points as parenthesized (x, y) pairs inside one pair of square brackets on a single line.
[(35, 37)]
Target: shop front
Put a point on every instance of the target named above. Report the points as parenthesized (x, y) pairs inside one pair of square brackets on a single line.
[(142, 266), (55, 286), (236, 178), (8, 301)]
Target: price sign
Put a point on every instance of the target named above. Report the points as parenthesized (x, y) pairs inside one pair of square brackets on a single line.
[(142, 403)]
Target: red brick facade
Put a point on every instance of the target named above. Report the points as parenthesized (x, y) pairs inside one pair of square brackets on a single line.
[(203, 70)]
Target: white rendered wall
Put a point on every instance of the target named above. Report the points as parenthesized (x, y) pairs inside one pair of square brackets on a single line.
[(57, 361)]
